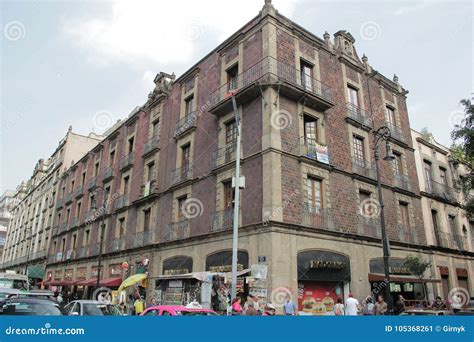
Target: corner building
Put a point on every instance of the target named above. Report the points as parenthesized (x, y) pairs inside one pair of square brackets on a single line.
[(308, 106)]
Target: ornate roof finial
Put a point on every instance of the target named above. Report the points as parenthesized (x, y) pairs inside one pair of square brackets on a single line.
[(365, 59), (268, 8), (395, 78), (268, 2), (326, 35), (69, 129)]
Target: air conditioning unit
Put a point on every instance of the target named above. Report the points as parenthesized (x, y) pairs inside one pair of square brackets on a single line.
[(147, 189)]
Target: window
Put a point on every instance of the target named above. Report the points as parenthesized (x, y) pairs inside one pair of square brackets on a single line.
[(74, 241), (92, 202), (434, 219), (428, 178), (150, 167), (125, 184), (443, 176), (79, 206), (310, 130), (405, 220), (306, 75), (68, 213), (353, 95), (315, 195), (390, 116), (96, 168), (232, 77), (63, 190), (156, 129), (181, 201), (231, 133), (121, 226), (146, 219), (365, 210), (185, 154), (189, 105), (63, 245), (130, 144), (87, 237), (398, 164), (359, 148), (452, 224), (83, 179), (228, 195), (112, 158)]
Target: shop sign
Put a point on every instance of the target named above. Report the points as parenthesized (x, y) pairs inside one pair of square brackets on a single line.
[(177, 265), (222, 261), (58, 274), (81, 273), (395, 266), (175, 283), (326, 264), (115, 270), (399, 270), (322, 265), (225, 268), (68, 274), (95, 270), (176, 272)]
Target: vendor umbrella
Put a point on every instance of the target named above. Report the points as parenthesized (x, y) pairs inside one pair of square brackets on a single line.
[(130, 281)]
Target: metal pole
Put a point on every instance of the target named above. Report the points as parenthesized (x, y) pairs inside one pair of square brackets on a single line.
[(235, 235), (385, 241), (100, 253)]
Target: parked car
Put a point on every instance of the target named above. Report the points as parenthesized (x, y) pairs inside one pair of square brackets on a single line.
[(465, 312), (426, 312), (92, 308), (7, 292), (19, 306), (177, 310)]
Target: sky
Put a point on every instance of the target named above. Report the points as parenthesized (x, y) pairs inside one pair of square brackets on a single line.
[(89, 63)]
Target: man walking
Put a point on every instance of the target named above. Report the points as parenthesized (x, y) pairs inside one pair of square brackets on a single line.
[(352, 306), (289, 308)]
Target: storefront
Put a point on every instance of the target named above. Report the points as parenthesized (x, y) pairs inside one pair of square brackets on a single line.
[(323, 276)]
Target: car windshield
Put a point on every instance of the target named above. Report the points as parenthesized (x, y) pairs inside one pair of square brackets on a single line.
[(13, 284), (100, 310), (30, 309)]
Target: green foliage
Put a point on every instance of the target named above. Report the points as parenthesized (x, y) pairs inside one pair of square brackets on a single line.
[(425, 132), (416, 265)]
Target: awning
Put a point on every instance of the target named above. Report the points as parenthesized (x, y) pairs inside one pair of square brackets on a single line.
[(87, 282), (60, 282), (401, 279), (111, 282), (228, 275), (201, 276)]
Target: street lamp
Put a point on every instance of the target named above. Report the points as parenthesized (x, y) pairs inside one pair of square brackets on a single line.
[(28, 247), (101, 230), (383, 134)]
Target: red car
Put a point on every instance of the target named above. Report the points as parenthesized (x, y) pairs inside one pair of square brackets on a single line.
[(177, 310)]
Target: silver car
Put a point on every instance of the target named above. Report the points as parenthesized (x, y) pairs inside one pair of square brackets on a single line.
[(91, 308)]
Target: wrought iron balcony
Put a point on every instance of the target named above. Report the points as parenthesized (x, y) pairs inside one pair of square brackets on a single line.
[(79, 192), (151, 145), (107, 174), (127, 161), (222, 220), (185, 124), (369, 226), (142, 239), (452, 241), (121, 202), (92, 183), (177, 231), (402, 181), (407, 234), (396, 132), (363, 168), (149, 188), (358, 115), (441, 190), (319, 218), (224, 155), (268, 71), (181, 174), (314, 150)]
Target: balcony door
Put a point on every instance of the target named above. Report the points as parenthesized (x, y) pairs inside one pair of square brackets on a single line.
[(307, 75)]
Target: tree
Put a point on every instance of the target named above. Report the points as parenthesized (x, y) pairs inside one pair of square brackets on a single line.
[(462, 151), (417, 267)]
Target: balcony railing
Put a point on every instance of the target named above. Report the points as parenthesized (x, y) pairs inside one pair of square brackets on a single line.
[(181, 174), (396, 132), (185, 124), (319, 218), (222, 220), (224, 155), (452, 241), (358, 115), (407, 234), (272, 71), (441, 190), (121, 202), (127, 161), (149, 188), (369, 226), (363, 168), (68, 199), (402, 181), (151, 145), (107, 174), (142, 239), (314, 151), (117, 244), (79, 192), (92, 183), (176, 231)]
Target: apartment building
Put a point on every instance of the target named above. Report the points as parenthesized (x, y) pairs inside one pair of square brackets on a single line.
[(7, 201), (157, 190), (29, 231), (449, 232)]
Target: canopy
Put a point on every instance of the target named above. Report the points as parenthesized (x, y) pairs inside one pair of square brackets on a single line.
[(133, 280), (87, 282), (401, 279), (111, 282)]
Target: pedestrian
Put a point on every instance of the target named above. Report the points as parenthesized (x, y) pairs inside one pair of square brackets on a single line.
[(339, 307), (438, 303), (289, 308), (236, 307), (59, 298), (251, 303), (139, 305), (368, 309), (400, 305), (269, 310), (380, 306), (352, 306), (153, 302)]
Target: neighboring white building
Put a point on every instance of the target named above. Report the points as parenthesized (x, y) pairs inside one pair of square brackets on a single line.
[(448, 230), (29, 229), (7, 202)]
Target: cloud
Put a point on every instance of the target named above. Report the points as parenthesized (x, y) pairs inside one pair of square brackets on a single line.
[(413, 8), (137, 32)]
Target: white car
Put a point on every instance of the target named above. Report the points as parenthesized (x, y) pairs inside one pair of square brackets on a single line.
[(91, 308)]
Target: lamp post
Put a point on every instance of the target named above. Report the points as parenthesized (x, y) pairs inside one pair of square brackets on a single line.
[(383, 134), (102, 212)]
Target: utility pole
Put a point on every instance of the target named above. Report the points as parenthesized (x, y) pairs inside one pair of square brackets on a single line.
[(101, 232), (235, 235)]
